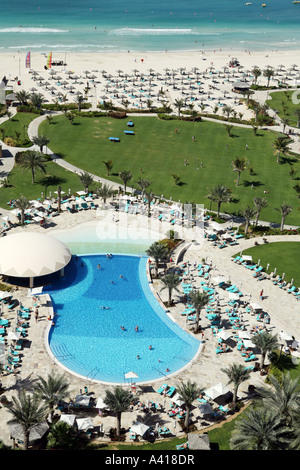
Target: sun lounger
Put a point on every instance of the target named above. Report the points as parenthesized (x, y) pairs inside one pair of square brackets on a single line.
[(291, 289), (224, 408), (202, 400), (129, 132), (250, 358), (114, 139), (183, 446), (162, 389), (171, 391)]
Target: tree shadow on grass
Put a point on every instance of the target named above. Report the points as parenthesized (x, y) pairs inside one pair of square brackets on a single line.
[(51, 181), (287, 159), (255, 184)]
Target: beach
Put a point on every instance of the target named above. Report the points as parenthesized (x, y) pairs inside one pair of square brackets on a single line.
[(204, 78)]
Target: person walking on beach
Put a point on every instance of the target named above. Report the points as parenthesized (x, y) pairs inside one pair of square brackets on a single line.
[(36, 315), (261, 294)]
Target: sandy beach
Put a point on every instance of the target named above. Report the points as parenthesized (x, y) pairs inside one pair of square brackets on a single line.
[(201, 78)]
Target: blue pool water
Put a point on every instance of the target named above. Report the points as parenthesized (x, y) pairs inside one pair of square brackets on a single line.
[(88, 340)]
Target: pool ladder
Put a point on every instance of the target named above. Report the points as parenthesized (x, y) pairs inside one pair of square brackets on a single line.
[(90, 376)]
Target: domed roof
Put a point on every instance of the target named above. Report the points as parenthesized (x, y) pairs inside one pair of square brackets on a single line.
[(32, 254)]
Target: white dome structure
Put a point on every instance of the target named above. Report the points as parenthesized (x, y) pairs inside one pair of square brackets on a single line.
[(32, 254)]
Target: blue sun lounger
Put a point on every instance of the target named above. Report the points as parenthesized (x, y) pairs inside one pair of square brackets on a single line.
[(162, 388), (114, 139), (129, 132), (171, 391)]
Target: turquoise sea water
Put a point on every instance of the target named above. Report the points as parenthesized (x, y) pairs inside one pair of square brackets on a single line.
[(155, 25)]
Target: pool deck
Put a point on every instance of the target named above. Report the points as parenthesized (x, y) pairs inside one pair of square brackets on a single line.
[(205, 369)]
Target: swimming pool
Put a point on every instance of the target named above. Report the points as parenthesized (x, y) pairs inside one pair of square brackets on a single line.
[(88, 340)]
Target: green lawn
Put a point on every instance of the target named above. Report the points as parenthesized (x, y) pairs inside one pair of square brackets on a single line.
[(18, 123), (20, 183), (159, 151), (284, 256), (282, 101)]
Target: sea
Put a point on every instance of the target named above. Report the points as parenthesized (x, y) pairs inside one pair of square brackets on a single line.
[(145, 26)]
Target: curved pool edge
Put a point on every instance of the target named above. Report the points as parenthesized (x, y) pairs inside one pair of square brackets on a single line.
[(162, 306)]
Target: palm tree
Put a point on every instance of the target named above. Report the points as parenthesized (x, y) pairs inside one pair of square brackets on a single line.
[(282, 398), (22, 203), (52, 390), (34, 161), (37, 100), (170, 281), (219, 194), (259, 429), (22, 96), (62, 436), (281, 145), (260, 203), (143, 184), (228, 129), (239, 165), (158, 252), (27, 411), (125, 176), (105, 192), (149, 196), (198, 300), (179, 104), (41, 141), (284, 209), (285, 122), (248, 213), (188, 391), (109, 165), (79, 100), (297, 114), (297, 189), (118, 401), (236, 374), (227, 110), (269, 73), (256, 72), (59, 199), (266, 343), (86, 180)]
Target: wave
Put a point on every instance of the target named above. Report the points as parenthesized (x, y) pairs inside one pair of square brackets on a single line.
[(20, 29), (62, 46), (151, 31)]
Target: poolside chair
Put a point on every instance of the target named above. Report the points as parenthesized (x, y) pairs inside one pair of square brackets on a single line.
[(223, 408), (291, 289), (162, 388), (183, 446), (171, 391), (250, 358)]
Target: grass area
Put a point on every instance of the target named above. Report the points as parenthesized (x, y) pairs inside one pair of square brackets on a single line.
[(284, 256), (282, 102), (20, 183), (18, 123), (159, 151)]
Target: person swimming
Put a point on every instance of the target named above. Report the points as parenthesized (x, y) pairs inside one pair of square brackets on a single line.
[(104, 308)]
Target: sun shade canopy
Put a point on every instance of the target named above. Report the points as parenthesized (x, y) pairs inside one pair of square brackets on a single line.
[(32, 254)]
